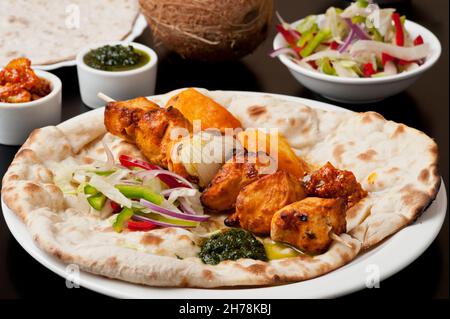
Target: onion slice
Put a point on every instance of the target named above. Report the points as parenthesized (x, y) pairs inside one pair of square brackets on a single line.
[(359, 32), (280, 51), (178, 181), (347, 42), (185, 207), (404, 53), (109, 156), (171, 213)]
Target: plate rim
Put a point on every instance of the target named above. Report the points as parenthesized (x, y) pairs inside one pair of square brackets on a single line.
[(122, 289)]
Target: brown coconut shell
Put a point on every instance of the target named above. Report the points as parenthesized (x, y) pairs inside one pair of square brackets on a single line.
[(209, 30)]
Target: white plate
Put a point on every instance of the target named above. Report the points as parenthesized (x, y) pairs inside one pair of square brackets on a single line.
[(139, 26), (391, 256)]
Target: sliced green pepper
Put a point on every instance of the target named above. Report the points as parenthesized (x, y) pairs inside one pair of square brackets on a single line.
[(358, 19), (163, 219), (326, 67), (307, 24), (97, 201), (138, 192), (124, 215), (307, 36), (105, 173), (403, 20), (321, 36), (376, 34), (90, 190), (362, 3)]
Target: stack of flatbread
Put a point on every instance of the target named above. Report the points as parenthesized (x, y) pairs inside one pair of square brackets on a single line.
[(396, 164), (52, 31)]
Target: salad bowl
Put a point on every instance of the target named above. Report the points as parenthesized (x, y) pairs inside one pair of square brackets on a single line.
[(361, 90)]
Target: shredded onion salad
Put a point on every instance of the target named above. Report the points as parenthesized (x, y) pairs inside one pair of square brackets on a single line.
[(361, 41), (141, 196)]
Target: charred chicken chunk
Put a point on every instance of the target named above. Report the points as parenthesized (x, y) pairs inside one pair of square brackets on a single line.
[(307, 224), (121, 117), (258, 201), (329, 182), (224, 188), (154, 136)]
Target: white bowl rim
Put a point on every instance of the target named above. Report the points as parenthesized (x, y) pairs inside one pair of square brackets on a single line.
[(435, 45), (150, 64), (56, 89)]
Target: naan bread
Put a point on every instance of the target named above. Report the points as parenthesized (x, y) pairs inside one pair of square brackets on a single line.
[(45, 32), (395, 163)]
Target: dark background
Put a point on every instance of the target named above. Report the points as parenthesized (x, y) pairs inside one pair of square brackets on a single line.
[(423, 106)]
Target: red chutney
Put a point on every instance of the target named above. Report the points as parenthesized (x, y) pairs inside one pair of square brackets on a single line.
[(329, 182)]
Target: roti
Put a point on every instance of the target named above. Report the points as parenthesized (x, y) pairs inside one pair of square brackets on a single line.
[(61, 28), (396, 164)]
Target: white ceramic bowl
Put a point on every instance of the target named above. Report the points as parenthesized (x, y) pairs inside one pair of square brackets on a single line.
[(361, 90), (119, 85), (17, 120)]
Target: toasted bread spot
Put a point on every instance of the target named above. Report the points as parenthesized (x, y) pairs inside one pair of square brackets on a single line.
[(424, 176), (338, 151), (434, 150), (368, 117), (256, 110), (398, 131), (184, 282), (208, 274), (150, 239), (168, 230), (368, 155), (88, 160), (184, 237), (393, 169), (257, 269), (32, 188), (112, 262), (412, 197), (292, 122), (33, 136)]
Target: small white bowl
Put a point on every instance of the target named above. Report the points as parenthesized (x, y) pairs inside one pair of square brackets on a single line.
[(17, 120), (361, 90), (119, 85)]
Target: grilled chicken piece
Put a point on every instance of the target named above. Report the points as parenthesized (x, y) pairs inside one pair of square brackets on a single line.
[(121, 117), (307, 224), (196, 106), (258, 201), (224, 188), (154, 134), (329, 182)]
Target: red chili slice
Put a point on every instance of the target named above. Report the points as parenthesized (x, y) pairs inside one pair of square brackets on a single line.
[(129, 162), (116, 207), (334, 45), (418, 40), (399, 36), (368, 70), (140, 225)]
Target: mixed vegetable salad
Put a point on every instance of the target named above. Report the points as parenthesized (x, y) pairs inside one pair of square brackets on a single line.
[(142, 196), (361, 41)]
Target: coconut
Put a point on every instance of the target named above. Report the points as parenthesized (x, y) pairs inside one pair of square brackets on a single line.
[(209, 30)]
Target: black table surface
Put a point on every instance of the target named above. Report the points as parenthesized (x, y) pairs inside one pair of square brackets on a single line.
[(424, 106)]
